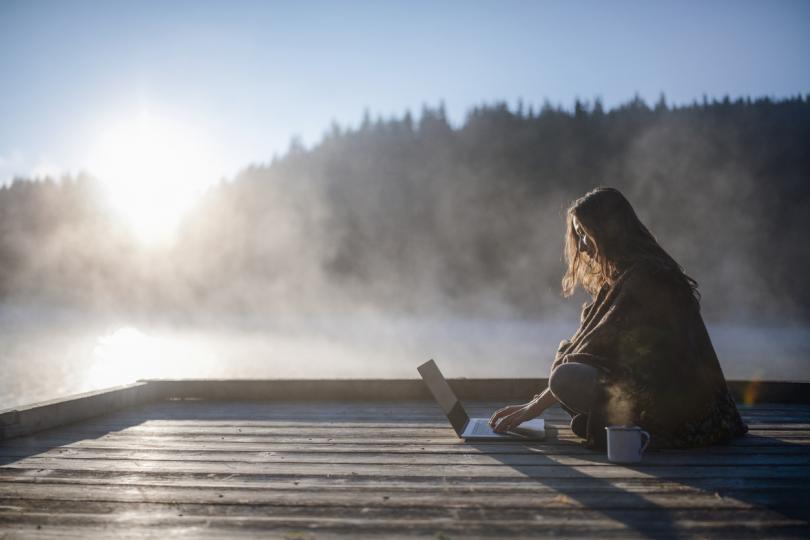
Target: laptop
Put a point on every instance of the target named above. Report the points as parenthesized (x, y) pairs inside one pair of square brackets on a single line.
[(473, 429)]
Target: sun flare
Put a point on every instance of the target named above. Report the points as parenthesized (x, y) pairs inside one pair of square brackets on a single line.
[(152, 169)]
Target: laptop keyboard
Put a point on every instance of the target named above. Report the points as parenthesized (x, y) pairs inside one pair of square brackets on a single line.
[(482, 428)]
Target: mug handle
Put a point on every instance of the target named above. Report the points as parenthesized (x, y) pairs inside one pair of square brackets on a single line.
[(646, 442)]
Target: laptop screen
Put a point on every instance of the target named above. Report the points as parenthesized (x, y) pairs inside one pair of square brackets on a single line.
[(444, 395)]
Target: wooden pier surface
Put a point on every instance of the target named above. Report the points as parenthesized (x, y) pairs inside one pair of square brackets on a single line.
[(300, 470)]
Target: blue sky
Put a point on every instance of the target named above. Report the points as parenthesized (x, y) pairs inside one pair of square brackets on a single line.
[(249, 75)]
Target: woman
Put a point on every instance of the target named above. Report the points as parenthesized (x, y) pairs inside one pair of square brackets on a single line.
[(642, 354)]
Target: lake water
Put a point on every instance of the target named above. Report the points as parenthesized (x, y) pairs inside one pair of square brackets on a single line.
[(53, 353)]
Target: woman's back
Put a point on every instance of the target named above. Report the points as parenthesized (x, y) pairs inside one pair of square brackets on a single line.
[(645, 333)]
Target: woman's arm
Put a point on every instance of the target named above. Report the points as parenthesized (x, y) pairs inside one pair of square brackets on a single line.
[(512, 416)]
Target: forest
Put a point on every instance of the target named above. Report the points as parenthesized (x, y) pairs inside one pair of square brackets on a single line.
[(413, 214)]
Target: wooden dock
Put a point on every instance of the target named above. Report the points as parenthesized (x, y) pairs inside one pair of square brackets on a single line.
[(312, 466)]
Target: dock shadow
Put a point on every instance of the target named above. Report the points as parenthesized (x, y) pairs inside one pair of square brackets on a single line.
[(786, 496), (575, 485), (42, 442), (784, 491)]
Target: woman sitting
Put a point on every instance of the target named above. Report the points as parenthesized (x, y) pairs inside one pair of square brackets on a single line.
[(642, 354)]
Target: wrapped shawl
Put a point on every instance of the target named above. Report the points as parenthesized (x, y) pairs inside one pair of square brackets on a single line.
[(660, 371)]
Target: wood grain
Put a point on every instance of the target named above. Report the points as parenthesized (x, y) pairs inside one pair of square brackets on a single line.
[(336, 469)]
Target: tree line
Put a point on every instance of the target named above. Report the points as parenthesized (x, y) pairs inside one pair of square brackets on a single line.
[(415, 214)]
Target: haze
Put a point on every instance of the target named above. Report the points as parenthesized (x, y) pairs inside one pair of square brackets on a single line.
[(240, 189)]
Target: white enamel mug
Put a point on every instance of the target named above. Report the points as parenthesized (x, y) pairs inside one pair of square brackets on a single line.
[(625, 444)]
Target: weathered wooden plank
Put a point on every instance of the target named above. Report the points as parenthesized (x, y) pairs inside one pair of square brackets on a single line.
[(542, 470), (355, 483), (29, 447), (331, 482), (390, 511), (562, 439), (326, 429), (41, 444), (370, 519), (399, 458), (542, 497)]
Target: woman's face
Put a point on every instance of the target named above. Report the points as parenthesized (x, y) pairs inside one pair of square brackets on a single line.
[(584, 242)]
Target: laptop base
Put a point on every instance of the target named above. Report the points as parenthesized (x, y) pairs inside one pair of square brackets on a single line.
[(477, 429)]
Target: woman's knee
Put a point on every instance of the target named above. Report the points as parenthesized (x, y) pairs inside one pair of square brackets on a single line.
[(574, 385), (561, 380)]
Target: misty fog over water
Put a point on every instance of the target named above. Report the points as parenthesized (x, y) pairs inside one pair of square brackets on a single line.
[(47, 354)]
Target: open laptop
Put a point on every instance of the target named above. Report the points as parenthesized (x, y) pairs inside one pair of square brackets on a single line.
[(473, 429)]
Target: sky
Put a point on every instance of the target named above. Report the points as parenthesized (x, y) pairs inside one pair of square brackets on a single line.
[(241, 78)]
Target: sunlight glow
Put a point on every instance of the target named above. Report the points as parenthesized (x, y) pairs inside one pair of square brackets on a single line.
[(122, 356), (128, 354), (153, 170)]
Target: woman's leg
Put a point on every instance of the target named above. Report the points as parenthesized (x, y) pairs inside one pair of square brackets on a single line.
[(578, 388), (575, 385)]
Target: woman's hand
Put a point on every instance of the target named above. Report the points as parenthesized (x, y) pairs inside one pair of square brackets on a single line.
[(512, 416)]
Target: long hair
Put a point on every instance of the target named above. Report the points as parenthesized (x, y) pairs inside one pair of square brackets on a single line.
[(619, 239)]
